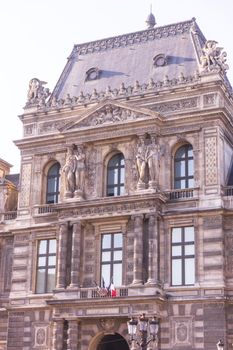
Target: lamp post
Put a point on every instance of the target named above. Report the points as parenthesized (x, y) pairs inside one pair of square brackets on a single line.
[(146, 334), (220, 345)]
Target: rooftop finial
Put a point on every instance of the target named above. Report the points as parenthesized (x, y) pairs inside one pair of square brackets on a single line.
[(150, 21)]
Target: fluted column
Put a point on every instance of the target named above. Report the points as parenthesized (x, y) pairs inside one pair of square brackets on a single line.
[(152, 248), (58, 331), (72, 335), (62, 256), (138, 249), (75, 256)]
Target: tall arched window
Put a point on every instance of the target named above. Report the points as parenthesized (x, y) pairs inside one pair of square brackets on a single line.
[(116, 175), (52, 191), (183, 167)]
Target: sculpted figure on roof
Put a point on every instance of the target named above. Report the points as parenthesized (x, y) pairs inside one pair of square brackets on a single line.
[(213, 57), (37, 93)]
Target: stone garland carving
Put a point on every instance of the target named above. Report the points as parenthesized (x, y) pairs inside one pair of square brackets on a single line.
[(211, 172), (25, 185), (147, 160), (37, 93), (176, 105), (229, 254), (123, 91), (74, 170), (91, 171), (213, 58)]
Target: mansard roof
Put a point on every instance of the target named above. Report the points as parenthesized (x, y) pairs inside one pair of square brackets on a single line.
[(122, 62)]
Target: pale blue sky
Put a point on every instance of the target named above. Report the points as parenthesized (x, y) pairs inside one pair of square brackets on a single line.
[(38, 35)]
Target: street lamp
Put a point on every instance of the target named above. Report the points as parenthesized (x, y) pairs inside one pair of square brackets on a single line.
[(220, 344), (146, 334)]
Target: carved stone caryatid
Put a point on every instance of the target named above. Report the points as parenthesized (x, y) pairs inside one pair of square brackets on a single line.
[(147, 160), (62, 256), (79, 172), (58, 330), (74, 171), (138, 249), (213, 58), (72, 339), (75, 255), (153, 151), (37, 93), (69, 171)]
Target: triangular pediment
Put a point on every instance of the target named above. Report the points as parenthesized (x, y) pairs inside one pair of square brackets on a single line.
[(109, 113)]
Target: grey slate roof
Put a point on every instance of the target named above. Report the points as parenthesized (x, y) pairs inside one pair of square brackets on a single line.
[(129, 58), (13, 178)]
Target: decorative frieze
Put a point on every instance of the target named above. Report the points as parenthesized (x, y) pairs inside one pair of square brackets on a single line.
[(176, 106)]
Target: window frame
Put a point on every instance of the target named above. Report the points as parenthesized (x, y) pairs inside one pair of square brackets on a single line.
[(186, 159), (118, 185), (55, 193), (183, 257), (47, 266), (112, 261)]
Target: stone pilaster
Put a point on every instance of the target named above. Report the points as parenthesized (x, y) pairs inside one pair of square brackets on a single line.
[(75, 257), (152, 248), (72, 335), (62, 255), (58, 331), (138, 249)]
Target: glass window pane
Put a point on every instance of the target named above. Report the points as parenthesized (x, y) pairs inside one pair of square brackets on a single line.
[(176, 250), (41, 261), (52, 185), (180, 153), (54, 170), (51, 198), (189, 249), (106, 241), (117, 255), (122, 190), (117, 275), (189, 234), (106, 256), (111, 177), (110, 191), (40, 281), (52, 261), (42, 246), (52, 246), (51, 280), (176, 272), (190, 151), (122, 175), (176, 235), (190, 167), (180, 169), (105, 274), (190, 183), (189, 271), (117, 240)]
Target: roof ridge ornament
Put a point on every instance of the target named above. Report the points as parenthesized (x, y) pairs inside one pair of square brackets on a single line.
[(150, 21)]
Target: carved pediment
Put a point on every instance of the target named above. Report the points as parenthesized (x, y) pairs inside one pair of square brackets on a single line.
[(111, 113)]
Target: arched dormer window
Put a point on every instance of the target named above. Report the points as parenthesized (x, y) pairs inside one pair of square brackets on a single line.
[(116, 175), (52, 189), (183, 167)]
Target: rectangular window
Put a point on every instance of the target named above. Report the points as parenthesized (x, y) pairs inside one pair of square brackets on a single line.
[(183, 256), (46, 266), (111, 258)]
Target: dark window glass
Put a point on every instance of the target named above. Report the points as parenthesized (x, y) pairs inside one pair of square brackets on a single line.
[(46, 266), (111, 258), (116, 175), (183, 167), (183, 256), (52, 191)]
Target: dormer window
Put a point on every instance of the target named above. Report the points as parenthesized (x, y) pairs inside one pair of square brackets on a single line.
[(92, 74), (160, 60)]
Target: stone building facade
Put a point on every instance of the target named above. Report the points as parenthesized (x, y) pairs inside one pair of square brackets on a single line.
[(126, 175)]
